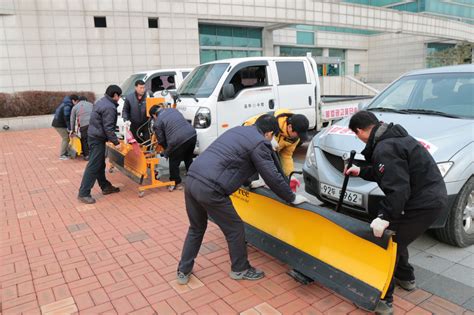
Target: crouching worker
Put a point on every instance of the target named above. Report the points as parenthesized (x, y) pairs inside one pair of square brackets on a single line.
[(293, 129), (101, 129), (217, 173), (415, 193), (177, 137)]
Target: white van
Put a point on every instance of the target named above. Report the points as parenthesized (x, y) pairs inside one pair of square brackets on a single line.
[(155, 82), (223, 94)]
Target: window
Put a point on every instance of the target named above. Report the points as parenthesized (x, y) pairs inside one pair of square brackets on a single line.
[(300, 51), (203, 80), (336, 69), (356, 69), (223, 42), (449, 93), (291, 72), (152, 22), (249, 77), (129, 85), (165, 81), (185, 74), (100, 21), (304, 38)]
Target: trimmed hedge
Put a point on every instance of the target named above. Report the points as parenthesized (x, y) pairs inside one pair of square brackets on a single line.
[(32, 103)]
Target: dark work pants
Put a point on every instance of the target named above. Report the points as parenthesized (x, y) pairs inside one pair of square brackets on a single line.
[(184, 153), (201, 202), (408, 229), (140, 134), (84, 142), (95, 169)]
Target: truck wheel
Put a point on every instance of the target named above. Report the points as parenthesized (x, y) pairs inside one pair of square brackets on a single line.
[(459, 228)]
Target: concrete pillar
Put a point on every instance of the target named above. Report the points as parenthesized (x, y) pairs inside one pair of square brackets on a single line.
[(325, 52), (267, 38)]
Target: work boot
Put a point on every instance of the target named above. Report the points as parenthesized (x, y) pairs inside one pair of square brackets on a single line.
[(182, 277), (87, 199), (384, 308), (64, 157), (407, 285), (110, 190), (249, 274)]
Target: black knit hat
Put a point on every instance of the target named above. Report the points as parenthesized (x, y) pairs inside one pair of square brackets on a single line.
[(300, 124)]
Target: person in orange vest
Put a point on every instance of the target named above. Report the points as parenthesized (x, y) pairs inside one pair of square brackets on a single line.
[(293, 130)]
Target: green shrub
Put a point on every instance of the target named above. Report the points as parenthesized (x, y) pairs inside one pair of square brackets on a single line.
[(32, 103)]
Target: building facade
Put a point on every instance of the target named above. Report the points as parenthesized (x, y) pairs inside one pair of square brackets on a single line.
[(88, 44)]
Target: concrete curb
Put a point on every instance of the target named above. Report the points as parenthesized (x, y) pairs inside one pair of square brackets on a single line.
[(25, 123)]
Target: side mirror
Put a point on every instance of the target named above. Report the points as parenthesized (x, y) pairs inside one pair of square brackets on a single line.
[(164, 92), (228, 91)]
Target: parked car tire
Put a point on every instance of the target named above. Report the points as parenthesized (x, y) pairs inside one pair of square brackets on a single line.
[(461, 219)]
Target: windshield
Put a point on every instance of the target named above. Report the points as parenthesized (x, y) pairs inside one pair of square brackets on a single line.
[(203, 80), (444, 94), (129, 85)]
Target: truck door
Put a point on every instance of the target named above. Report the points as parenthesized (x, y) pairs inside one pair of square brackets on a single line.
[(295, 88), (254, 94)]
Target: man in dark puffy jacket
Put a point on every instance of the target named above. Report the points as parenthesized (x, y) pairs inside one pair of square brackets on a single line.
[(101, 129), (134, 112), (218, 172), (61, 122), (415, 193), (177, 137)]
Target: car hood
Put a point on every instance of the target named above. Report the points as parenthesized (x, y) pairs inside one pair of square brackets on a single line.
[(442, 136)]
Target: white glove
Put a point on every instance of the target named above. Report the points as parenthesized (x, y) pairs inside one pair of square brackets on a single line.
[(257, 183), (379, 225), (299, 199), (275, 145), (127, 124), (353, 171)]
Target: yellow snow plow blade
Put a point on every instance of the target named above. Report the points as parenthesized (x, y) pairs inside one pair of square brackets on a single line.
[(336, 250), (137, 164)]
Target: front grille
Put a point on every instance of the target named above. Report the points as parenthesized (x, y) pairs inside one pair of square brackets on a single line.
[(338, 163)]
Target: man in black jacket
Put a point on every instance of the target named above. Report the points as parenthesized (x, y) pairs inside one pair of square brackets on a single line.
[(218, 172), (61, 122), (415, 193), (177, 137), (134, 112), (101, 129)]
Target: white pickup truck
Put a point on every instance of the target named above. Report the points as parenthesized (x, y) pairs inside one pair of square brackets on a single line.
[(219, 95)]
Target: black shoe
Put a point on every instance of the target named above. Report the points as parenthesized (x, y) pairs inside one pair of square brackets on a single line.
[(87, 199), (249, 274), (86, 158), (407, 285), (110, 190)]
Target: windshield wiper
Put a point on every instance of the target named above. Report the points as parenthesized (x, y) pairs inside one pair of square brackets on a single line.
[(386, 109), (190, 94), (429, 112)]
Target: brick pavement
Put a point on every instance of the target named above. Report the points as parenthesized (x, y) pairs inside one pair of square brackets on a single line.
[(59, 256)]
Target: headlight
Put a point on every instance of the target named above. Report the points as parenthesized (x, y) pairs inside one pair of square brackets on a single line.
[(310, 156), (202, 119), (444, 167)]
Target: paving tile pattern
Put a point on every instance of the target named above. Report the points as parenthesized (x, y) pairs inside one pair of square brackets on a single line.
[(120, 254)]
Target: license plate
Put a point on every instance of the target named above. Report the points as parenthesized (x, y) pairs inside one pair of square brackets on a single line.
[(334, 193)]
